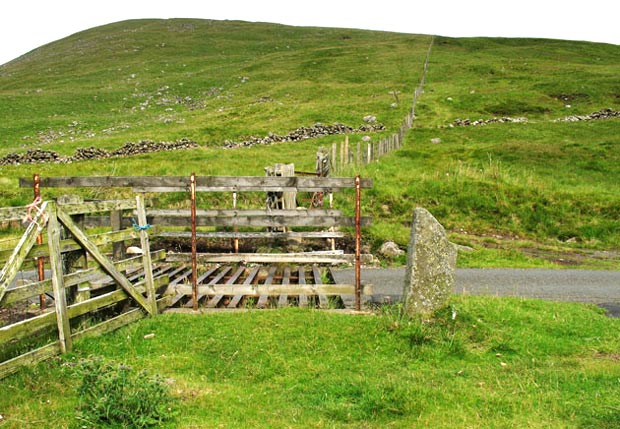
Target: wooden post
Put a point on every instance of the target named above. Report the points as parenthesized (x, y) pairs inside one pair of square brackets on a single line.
[(192, 194), (146, 254), (358, 160), (40, 262), (358, 242), (335, 156), (369, 150), (118, 248), (58, 285)]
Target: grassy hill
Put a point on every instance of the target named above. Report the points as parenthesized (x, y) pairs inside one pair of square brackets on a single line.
[(534, 193)]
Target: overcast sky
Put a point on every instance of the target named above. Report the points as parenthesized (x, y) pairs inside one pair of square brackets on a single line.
[(28, 24)]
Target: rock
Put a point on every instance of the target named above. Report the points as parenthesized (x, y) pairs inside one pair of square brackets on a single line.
[(134, 250), (431, 266), (370, 119), (389, 249), (436, 140)]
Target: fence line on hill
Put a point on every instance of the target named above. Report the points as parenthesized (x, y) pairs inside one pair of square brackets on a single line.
[(345, 154)]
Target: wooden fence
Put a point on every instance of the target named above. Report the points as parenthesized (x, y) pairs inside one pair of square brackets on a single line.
[(127, 285), (345, 155)]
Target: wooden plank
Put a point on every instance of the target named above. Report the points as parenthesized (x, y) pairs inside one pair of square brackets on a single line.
[(263, 301), (235, 276), (35, 356), (250, 278), (303, 300), (68, 245), (283, 301), (286, 275), (213, 302), (182, 277), (275, 258), (27, 327), (204, 183), (219, 276), (301, 276), (12, 266), (235, 301), (271, 290), (177, 298), (252, 218), (58, 285), (256, 235), (206, 274), (98, 206), (316, 278), (105, 263), (190, 303), (270, 275), (146, 254)]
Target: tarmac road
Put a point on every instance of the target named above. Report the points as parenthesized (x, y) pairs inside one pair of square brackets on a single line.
[(597, 287)]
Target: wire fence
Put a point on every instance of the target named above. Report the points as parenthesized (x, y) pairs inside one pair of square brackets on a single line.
[(359, 154)]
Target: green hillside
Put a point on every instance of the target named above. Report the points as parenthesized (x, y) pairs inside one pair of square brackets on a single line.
[(542, 189)]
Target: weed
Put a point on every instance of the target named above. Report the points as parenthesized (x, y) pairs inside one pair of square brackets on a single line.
[(115, 395)]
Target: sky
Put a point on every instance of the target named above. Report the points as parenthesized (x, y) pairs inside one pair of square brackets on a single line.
[(28, 24)]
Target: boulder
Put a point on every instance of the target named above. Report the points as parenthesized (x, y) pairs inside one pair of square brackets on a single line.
[(389, 249), (431, 266)]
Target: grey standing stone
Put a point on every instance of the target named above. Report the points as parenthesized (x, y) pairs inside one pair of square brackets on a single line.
[(431, 266)]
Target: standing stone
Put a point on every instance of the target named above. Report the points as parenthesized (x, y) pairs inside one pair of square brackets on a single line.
[(431, 265)]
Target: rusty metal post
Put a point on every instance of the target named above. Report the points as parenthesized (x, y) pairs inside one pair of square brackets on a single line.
[(236, 228), (40, 263), (192, 193), (358, 243)]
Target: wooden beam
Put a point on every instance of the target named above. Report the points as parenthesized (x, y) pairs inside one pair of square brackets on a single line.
[(203, 183), (146, 254), (105, 263), (58, 285), (302, 258), (17, 257), (257, 290), (39, 250), (256, 235)]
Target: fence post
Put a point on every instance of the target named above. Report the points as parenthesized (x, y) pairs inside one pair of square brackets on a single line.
[(58, 283), (36, 179), (358, 235), (146, 254), (192, 195)]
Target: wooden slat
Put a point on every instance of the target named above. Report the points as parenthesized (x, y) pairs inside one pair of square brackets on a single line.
[(235, 301), (272, 290), (301, 276), (213, 302), (250, 278), (263, 301), (256, 235), (206, 274), (42, 250), (283, 300), (219, 276), (12, 266), (58, 283), (182, 277), (255, 218), (270, 275), (316, 277), (235, 276), (303, 300), (204, 183), (275, 258), (98, 206), (286, 275)]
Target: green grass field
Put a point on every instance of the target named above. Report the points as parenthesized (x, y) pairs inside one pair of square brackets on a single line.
[(503, 189), (483, 362)]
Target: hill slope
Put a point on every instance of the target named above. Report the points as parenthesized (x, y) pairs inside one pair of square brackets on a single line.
[(535, 187)]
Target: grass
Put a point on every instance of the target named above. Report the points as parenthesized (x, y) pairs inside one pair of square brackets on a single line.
[(544, 183), (483, 362)]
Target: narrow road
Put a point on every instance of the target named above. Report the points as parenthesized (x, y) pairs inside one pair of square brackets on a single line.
[(597, 287)]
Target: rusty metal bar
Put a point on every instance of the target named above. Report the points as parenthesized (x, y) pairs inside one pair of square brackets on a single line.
[(236, 228), (40, 263), (358, 239), (192, 193)]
